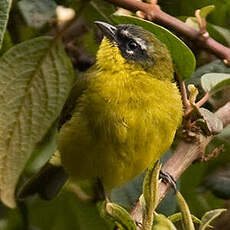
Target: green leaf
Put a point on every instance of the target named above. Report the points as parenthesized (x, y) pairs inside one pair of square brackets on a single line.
[(214, 82), (186, 215), (205, 11), (161, 222), (7, 43), (150, 185), (209, 217), (5, 6), (121, 216), (43, 151), (182, 56), (35, 79), (37, 13)]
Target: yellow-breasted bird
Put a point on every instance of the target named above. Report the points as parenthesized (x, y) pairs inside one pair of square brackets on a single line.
[(127, 109)]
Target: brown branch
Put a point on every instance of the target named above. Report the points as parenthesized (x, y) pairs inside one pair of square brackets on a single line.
[(185, 154), (154, 13)]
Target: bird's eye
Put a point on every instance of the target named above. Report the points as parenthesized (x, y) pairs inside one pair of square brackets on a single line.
[(132, 45)]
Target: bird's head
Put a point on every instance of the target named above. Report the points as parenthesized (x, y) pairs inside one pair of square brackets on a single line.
[(131, 47)]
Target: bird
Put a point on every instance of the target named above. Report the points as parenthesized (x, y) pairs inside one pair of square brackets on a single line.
[(123, 115), (127, 111)]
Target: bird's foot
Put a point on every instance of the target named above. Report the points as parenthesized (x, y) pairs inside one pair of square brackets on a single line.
[(167, 178)]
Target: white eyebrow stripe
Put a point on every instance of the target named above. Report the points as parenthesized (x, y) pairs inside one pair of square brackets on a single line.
[(126, 33), (139, 41)]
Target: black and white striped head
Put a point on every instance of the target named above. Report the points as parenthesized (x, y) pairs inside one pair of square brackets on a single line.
[(137, 46)]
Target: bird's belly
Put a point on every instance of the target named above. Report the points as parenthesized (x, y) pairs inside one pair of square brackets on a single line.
[(114, 152)]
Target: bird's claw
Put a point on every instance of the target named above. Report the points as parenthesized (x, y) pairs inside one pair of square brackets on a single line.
[(167, 178)]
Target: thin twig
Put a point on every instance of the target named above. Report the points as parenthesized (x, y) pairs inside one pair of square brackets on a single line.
[(184, 95), (203, 100), (202, 24)]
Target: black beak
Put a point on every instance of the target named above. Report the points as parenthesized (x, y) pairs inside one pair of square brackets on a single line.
[(108, 30)]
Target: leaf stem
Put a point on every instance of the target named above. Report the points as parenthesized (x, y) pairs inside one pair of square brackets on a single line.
[(203, 100)]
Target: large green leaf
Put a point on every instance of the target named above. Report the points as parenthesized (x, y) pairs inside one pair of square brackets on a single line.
[(7, 43), (43, 151), (182, 56), (35, 79), (213, 82), (4, 15)]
